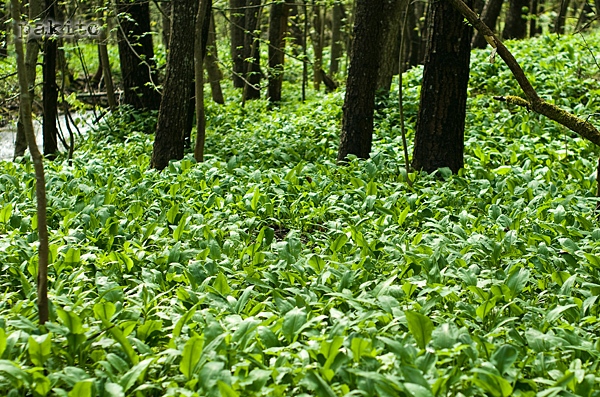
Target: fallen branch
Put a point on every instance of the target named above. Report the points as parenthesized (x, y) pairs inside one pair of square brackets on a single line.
[(582, 127)]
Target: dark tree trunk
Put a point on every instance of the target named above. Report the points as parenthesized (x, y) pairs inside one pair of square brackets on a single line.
[(516, 24), (584, 16), (390, 47), (533, 9), (252, 45), (295, 27), (166, 22), (3, 30), (237, 18), (336, 43), (173, 116), (439, 138), (50, 90), (211, 63), (277, 28), (135, 41), (316, 36), (418, 36), (489, 16), (561, 18), (357, 121), (97, 77)]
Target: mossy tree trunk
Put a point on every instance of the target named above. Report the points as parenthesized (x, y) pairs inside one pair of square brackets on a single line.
[(439, 135), (515, 26), (390, 47), (237, 23), (211, 62)]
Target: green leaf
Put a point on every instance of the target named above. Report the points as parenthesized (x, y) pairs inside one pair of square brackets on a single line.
[(339, 242), (226, 390), (372, 188), (40, 349), (492, 383), (82, 388), (129, 379), (483, 310), (255, 198), (504, 357), (71, 320), (15, 374), (292, 323), (6, 213), (221, 284), (360, 347), (420, 326), (183, 320), (2, 341), (104, 310), (317, 263), (191, 355), (172, 213)]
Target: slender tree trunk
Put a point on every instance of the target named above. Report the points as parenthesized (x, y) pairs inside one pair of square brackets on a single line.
[(252, 44), (211, 62), (277, 29), (336, 43), (107, 72), (489, 15), (32, 49), (3, 30), (390, 48), (173, 114), (561, 18), (357, 121), (418, 35), (50, 90), (137, 55), (166, 22), (97, 76), (237, 18), (439, 138), (516, 24), (584, 16), (533, 8), (317, 43), (201, 38), (38, 164)]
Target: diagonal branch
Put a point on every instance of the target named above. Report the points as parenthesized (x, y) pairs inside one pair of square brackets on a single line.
[(582, 127)]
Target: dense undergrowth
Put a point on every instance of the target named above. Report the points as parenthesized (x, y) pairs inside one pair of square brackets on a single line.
[(269, 270)]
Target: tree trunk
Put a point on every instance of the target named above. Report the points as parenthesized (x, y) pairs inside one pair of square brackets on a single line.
[(584, 16), (136, 55), (252, 45), (94, 83), (201, 38), (211, 62), (489, 16), (336, 43), (40, 181), (439, 137), (516, 24), (533, 9), (559, 23), (418, 34), (317, 43), (390, 47), (107, 72), (277, 28), (237, 18), (50, 90), (166, 22), (177, 91), (357, 121), (3, 30), (32, 49)]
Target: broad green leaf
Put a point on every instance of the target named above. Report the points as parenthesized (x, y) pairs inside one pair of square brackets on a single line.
[(292, 323), (82, 389), (6, 213), (492, 383), (191, 355), (317, 263), (104, 310), (372, 188), (183, 320), (255, 198), (360, 347), (40, 349), (420, 326), (504, 357), (113, 390), (2, 341), (221, 284), (339, 243), (71, 320), (483, 310), (129, 379), (15, 374), (517, 281), (226, 390), (42, 384)]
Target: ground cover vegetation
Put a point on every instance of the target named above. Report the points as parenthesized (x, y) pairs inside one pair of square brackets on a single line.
[(270, 270)]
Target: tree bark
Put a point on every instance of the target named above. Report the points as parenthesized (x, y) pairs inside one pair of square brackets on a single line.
[(177, 91), (418, 34), (3, 30), (237, 18), (561, 18), (166, 22), (336, 43), (252, 46), (357, 120), (533, 9), (201, 32), (50, 90), (582, 127), (32, 49), (390, 48), (439, 135), (317, 43), (25, 92), (211, 62), (584, 16), (136, 55), (277, 29), (104, 60), (516, 24), (489, 15)]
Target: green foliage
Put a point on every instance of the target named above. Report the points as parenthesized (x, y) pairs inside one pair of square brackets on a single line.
[(269, 270)]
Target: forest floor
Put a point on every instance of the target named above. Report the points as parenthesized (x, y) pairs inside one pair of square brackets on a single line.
[(268, 270)]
